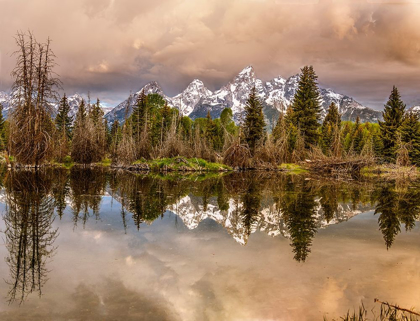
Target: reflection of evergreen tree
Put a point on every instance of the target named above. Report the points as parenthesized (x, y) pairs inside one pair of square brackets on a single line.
[(60, 190), (88, 186), (222, 197), (145, 197), (328, 201), (29, 233), (396, 208), (298, 207), (251, 202), (409, 208), (388, 220)]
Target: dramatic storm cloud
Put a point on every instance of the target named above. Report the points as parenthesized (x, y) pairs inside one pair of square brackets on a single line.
[(109, 47)]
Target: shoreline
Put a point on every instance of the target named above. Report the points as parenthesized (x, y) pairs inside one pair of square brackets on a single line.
[(197, 165)]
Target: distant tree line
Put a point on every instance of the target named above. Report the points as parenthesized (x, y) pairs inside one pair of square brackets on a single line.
[(155, 130)]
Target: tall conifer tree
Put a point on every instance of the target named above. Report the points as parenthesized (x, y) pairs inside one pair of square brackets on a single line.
[(138, 118), (330, 126), (2, 129), (393, 117), (254, 124), (63, 121), (306, 106), (410, 134)]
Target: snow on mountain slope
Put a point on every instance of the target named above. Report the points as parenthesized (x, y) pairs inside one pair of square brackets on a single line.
[(196, 100), (190, 97), (5, 100), (269, 219), (277, 94), (415, 109), (74, 103), (119, 112)]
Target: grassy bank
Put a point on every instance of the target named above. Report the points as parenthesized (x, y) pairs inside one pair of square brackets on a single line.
[(390, 171), (178, 164), (292, 168)]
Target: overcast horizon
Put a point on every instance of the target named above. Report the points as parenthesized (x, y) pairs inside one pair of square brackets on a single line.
[(111, 47)]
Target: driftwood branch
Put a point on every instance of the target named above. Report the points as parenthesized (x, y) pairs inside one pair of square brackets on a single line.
[(396, 307)]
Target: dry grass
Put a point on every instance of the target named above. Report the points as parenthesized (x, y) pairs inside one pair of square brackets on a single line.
[(237, 154), (350, 163), (391, 171), (388, 312)]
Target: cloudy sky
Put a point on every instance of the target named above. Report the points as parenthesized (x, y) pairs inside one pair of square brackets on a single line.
[(109, 47)]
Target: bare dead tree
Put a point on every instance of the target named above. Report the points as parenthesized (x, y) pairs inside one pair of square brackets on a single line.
[(34, 90)]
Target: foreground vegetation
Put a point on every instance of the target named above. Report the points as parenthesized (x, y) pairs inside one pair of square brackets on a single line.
[(153, 134), (388, 312)]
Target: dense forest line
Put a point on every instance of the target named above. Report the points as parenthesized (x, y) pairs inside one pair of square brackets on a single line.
[(31, 136)]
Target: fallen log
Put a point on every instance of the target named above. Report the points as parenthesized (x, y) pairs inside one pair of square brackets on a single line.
[(332, 165)]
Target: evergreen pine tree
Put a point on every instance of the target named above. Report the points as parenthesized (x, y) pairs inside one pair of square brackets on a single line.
[(2, 130), (138, 118), (96, 113), (88, 143), (63, 121), (254, 124), (291, 130), (211, 130), (279, 129), (393, 117), (81, 112), (115, 134), (330, 126), (307, 107), (410, 134), (357, 136)]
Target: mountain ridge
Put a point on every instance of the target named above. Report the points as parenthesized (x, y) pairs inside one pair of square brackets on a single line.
[(276, 95)]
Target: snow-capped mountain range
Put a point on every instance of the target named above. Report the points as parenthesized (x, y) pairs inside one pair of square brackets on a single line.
[(277, 94), (196, 100), (74, 103), (269, 219)]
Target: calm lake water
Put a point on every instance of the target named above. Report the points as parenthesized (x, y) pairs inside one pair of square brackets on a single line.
[(106, 245)]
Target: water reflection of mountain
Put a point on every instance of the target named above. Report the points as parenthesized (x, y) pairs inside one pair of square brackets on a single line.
[(269, 219), (295, 207)]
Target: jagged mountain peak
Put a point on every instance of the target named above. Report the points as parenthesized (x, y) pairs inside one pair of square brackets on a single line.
[(152, 87), (197, 85), (190, 97), (276, 95), (247, 75), (247, 71)]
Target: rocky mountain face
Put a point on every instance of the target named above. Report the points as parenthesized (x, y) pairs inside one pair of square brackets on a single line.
[(276, 95), (5, 100), (74, 103), (196, 100), (415, 109), (126, 107)]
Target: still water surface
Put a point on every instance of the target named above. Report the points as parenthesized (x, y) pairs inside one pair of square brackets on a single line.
[(105, 245)]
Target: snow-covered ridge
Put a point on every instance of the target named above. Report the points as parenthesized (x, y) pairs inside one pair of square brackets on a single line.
[(277, 94), (196, 100), (269, 219), (74, 103)]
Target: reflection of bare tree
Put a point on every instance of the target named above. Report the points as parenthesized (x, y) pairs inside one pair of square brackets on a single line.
[(29, 233)]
